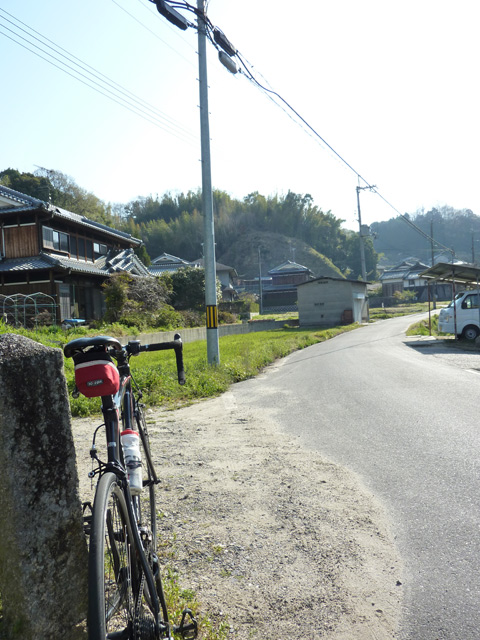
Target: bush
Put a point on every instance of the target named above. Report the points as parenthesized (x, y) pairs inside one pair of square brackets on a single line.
[(168, 318), (405, 296), (135, 301), (224, 317), (191, 319)]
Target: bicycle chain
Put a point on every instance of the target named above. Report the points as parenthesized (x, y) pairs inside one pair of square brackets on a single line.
[(144, 628)]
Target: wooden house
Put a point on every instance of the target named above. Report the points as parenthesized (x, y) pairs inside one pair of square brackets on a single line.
[(280, 294), (46, 249)]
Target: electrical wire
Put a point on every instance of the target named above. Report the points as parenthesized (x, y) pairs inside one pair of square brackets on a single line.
[(270, 92), (87, 75), (153, 33), (122, 96)]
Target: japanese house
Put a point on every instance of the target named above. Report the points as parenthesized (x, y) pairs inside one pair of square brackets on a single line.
[(46, 249)]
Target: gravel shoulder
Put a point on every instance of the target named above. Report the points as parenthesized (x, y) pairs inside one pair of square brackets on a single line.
[(278, 542)]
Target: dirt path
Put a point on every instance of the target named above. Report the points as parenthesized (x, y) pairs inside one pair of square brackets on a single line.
[(276, 541)]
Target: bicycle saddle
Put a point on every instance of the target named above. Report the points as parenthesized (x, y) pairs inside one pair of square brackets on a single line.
[(80, 344)]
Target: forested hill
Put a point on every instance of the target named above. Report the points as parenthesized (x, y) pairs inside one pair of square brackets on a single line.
[(273, 224), (455, 229), (262, 250), (287, 227)]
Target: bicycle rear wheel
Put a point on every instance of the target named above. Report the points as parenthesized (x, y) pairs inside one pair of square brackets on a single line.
[(111, 567)]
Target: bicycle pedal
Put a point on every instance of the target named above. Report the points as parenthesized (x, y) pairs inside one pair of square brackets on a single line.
[(189, 630)]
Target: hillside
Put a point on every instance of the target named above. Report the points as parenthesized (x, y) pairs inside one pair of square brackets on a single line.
[(454, 232), (274, 250)]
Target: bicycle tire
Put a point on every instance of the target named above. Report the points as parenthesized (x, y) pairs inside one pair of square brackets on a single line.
[(111, 565)]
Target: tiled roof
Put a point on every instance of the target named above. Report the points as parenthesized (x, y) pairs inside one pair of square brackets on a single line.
[(77, 266), (157, 269), (12, 201), (289, 267), (126, 261), (218, 265), (97, 226), (123, 261), (168, 259), (25, 264)]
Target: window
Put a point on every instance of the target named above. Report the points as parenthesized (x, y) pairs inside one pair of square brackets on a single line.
[(73, 246), (56, 240), (81, 248), (89, 245), (47, 234), (99, 250), (64, 244), (470, 302)]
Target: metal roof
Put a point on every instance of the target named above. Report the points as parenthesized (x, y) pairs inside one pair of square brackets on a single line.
[(458, 272)]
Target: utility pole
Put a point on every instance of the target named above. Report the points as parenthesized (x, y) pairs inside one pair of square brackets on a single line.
[(433, 264), (226, 58), (362, 245), (260, 286), (213, 350)]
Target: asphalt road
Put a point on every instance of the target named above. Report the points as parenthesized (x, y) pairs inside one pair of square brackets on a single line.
[(406, 419)]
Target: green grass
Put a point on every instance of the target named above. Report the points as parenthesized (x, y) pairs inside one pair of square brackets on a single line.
[(422, 328), (241, 357), (397, 311), (178, 599)]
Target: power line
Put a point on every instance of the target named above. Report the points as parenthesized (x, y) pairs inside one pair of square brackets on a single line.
[(270, 92), (89, 76)]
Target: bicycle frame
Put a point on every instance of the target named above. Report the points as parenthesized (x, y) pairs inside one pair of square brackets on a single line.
[(112, 407), (124, 408)]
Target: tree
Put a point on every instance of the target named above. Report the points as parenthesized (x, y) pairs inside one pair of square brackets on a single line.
[(28, 183), (188, 289), (59, 189), (135, 300)]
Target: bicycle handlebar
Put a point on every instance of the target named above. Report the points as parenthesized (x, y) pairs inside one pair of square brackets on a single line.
[(134, 348)]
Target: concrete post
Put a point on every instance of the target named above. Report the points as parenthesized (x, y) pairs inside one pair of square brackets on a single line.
[(43, 553)]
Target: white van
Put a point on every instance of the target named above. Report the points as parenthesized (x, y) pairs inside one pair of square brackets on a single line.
[(467, 313)]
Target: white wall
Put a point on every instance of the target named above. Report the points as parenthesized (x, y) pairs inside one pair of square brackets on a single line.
[(322, 302)]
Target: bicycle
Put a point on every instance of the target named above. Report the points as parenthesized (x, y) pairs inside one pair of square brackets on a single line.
[(126, 600)]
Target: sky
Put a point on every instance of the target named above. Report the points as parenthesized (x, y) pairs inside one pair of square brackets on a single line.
[(390, 89)]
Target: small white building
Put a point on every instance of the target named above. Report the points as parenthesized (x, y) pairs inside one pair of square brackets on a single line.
[(330, 302)]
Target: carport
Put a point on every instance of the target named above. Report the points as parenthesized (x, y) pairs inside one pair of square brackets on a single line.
[(453, 273)]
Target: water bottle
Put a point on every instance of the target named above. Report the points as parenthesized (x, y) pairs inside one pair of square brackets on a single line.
[(133, 461)]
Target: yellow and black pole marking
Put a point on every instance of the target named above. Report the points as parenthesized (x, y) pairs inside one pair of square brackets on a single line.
[(212, 316)]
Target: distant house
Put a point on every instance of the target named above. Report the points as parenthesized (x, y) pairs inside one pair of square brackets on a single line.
[(403, 277), (167, 263), (330, 302), (46, 249), (280, 293), (226, 275), (407, 276)]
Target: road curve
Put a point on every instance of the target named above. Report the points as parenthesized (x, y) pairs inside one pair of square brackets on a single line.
[(404, 419)]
